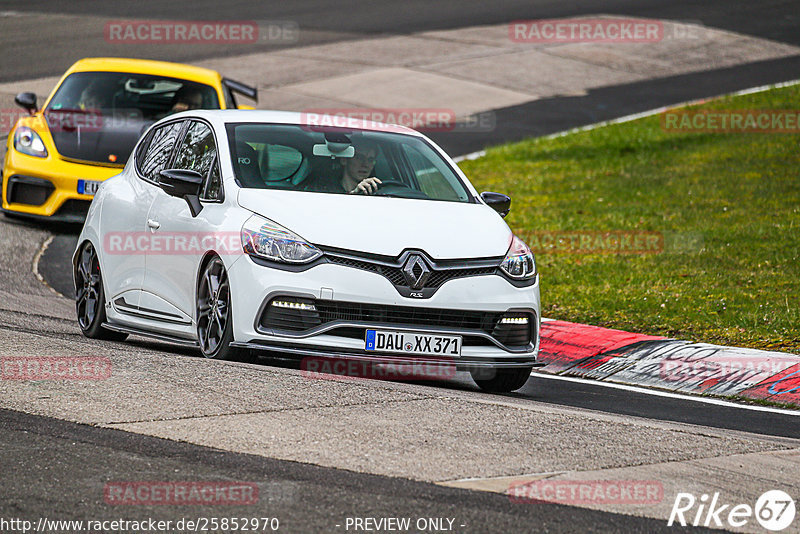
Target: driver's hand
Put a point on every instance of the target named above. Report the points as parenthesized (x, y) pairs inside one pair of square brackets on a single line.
[(367, 186)]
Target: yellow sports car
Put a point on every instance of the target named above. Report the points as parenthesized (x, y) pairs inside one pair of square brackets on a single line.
[(57, 157)]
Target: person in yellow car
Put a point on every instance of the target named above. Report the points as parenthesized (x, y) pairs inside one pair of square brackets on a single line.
[(57, 157), (186, 98)]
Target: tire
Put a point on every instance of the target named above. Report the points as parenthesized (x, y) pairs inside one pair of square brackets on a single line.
[(90, 302), (214, 315), (503, 380)]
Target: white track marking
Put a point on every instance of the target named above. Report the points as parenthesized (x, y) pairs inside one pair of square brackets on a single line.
[(643, 114), (35, 266)]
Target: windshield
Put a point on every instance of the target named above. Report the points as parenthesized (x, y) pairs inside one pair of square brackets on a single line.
[(99, 116), (289, 157), (149, 97)]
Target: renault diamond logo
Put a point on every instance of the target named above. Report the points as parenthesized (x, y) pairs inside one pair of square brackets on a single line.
[(416, 272)]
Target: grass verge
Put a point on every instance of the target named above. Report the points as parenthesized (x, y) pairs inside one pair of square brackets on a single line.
[(725, 208)]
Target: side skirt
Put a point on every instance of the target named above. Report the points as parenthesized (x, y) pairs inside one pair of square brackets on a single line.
[(145, 333)]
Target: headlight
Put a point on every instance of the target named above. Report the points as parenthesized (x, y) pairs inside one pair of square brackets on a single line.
[(519, 262), (265, 239), (28, 142)]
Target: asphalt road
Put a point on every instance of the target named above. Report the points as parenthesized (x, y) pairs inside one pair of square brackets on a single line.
[(321, 21), (65, 478), (584, 395)]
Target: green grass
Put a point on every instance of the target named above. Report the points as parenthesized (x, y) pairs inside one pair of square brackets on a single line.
[(727, 204)]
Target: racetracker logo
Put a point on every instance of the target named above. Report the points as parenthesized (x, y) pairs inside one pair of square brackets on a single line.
[(172, 243), (387, 119), (320, 368), (181, 493), (605, 30), (591, 242), (731, 121), (55, 368), (10, 116), (715, 369), (587, 491), (200, 32), (774, 510)]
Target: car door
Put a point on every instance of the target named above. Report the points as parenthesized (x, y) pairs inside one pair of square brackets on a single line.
[(171, 271), (125, 217)]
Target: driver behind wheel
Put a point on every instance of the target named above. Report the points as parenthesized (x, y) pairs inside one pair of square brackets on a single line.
[(355, 174), (356, 177)]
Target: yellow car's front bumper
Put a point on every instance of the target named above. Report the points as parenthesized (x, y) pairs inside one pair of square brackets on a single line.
[(48, 187)]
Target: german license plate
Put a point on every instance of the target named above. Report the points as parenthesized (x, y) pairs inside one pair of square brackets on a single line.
[(88, 187), (412, 343)]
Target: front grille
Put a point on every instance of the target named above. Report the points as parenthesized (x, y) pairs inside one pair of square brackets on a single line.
[(440, 277), (405, 315), (328, 311), (28, 190), (394, 273)]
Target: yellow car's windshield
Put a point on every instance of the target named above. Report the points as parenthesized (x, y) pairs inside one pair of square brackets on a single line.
[(99, 116)]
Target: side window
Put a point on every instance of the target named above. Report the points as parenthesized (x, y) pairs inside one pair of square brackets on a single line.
[(431, 180), (158, 152), (213, 187), (141, 151), (198, 152), (230, 100)]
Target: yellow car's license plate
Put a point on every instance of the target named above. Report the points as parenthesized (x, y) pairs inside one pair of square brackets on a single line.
[(88, 187)]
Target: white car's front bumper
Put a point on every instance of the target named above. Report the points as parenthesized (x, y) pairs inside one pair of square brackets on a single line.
[(253, 286)]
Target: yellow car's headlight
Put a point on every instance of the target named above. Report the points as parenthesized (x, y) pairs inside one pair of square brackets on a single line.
[(28, 142)]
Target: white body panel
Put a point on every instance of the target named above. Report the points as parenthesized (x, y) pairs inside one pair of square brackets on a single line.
[(385, 226), (157, 288)]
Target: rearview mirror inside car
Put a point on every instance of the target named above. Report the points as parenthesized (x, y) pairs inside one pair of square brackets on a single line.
[(498, 202), (334, 150), (185, 184)]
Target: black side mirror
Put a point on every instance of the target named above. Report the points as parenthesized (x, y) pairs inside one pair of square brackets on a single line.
[(498, 202), (27, 101), (185, 184)]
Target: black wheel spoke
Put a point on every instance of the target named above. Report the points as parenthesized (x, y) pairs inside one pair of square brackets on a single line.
[(213, 298), (88, 287)]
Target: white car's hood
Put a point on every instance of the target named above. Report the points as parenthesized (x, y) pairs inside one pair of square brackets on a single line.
[(384, 225)]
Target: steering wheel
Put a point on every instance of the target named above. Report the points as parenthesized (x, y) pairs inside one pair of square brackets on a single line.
[(397, 188)]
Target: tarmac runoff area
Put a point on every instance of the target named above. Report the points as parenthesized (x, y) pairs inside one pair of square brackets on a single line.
[(463, 73), (459, 437)]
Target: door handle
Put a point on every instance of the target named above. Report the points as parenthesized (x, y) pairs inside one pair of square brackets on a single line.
[(155, 225)]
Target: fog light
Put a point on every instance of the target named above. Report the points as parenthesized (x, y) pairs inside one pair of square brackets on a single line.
[(514, 320), (293, 305)]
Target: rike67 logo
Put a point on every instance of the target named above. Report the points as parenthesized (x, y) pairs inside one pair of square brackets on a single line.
[(774, 510)]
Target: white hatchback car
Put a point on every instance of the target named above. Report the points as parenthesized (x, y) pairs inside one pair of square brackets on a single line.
[(237, 231)]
